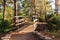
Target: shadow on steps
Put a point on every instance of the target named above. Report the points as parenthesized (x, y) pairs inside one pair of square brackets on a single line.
[(27, 36)]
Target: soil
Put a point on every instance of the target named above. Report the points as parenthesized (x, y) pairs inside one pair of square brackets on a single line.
[(50, 35)]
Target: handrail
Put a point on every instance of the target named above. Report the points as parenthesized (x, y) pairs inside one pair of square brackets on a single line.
[(19, 16), (21, 20)]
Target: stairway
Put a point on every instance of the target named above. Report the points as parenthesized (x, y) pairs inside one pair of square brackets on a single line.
[(23, 36), (23, 30), (27, 33)]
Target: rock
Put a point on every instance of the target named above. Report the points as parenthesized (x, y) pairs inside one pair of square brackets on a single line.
[(48, 38)]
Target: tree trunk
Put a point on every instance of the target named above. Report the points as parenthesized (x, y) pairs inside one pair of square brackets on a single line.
[(32, 6), (56, 7), (4, 8), (4, 4), (14, 11)]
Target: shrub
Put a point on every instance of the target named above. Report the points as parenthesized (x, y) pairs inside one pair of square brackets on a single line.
[(53, 22), (5, 27), (0, 21), (41, 18)]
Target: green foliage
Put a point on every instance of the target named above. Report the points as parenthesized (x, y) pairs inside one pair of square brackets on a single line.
[(1, 16), (9, 14), (27, 7), (53, 22), (5, 27), (0, 19), (23, 14), (41, 18)]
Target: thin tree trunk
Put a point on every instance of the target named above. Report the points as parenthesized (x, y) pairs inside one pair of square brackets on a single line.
[(45, 9), (4, 4), (4, 8), (56, 7), (14, 11), (32, 9)]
